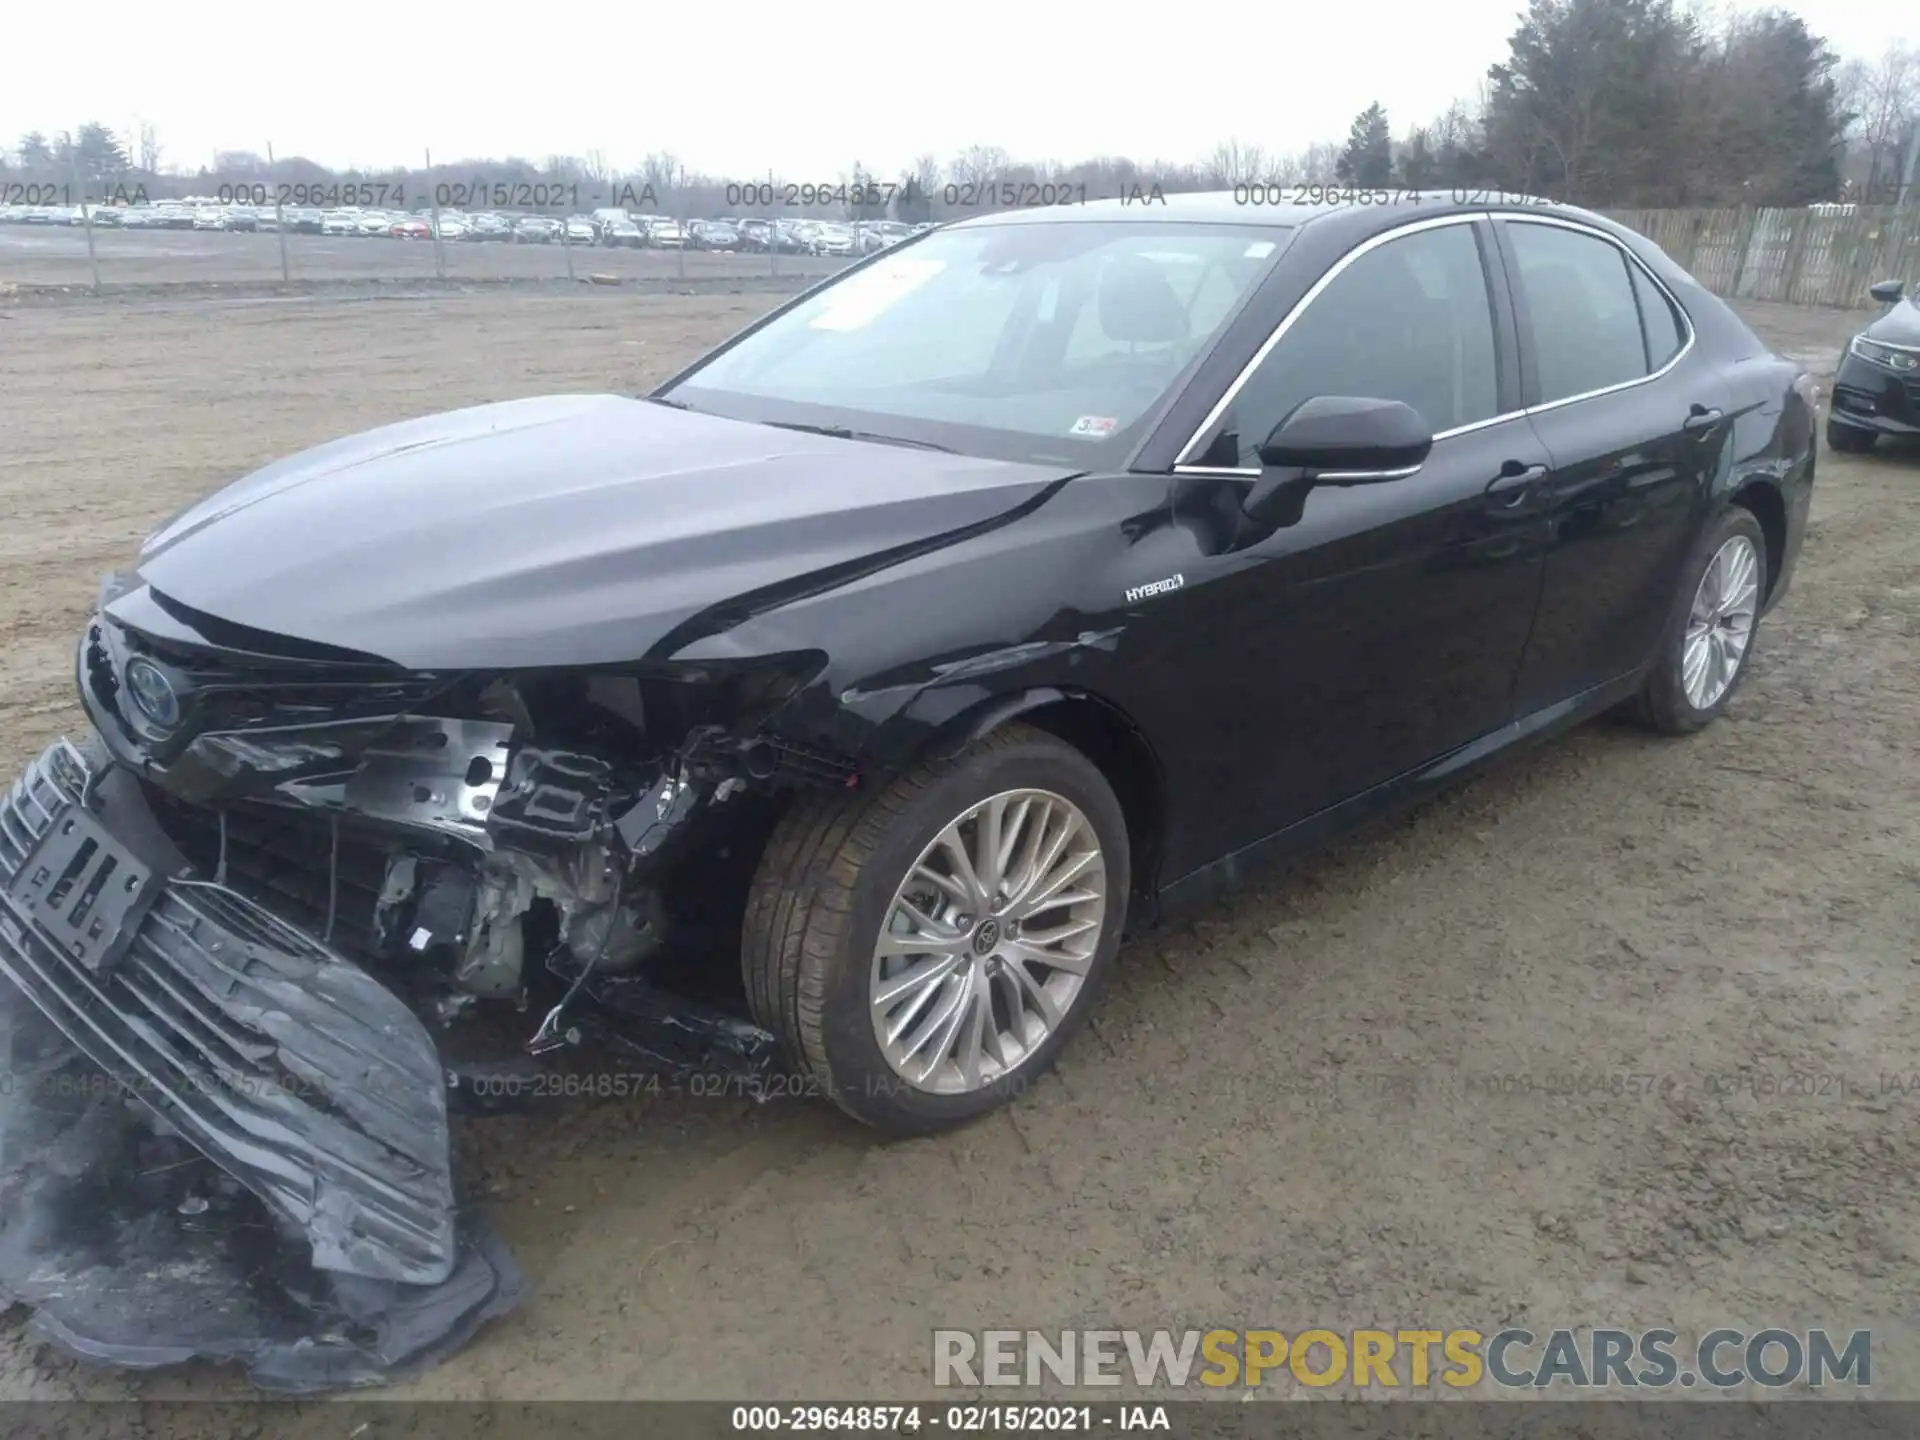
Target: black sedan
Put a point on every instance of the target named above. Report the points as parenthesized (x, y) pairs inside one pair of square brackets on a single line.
[(536, 230), (1020, 584), (1876, 390)]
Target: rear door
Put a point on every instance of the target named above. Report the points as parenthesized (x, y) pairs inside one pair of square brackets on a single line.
[(1635, 419)]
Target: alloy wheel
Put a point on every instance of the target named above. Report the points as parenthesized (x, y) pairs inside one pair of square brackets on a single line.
[(987, 942), (1720, 625)]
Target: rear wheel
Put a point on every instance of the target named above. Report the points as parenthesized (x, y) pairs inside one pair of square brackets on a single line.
[(1848, 439), (1709, 641), (925, 952)]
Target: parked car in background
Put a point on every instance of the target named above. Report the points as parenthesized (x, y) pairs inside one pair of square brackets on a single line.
[(832, 240), (621, 231), (375, 222), (338, 222), (411, 227), (536, 230), (756, 235), (875, 235), (489, 226), (712, 235), (453, 227), (304, 220), (579, 230), (666, 234), (1876, 389)]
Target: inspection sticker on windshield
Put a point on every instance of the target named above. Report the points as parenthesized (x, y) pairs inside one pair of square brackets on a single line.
[(1094, 427), (861, 299)]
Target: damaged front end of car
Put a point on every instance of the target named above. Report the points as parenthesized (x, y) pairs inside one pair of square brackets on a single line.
[(259, 917)]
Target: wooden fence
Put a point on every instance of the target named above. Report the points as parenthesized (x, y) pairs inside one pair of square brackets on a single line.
[(1802, 257)]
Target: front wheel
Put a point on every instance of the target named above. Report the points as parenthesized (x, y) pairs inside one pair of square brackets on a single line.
[(924, 952), (1704, 653)]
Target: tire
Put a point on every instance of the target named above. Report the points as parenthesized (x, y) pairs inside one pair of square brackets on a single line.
[(1848, 439), (826, 885), (1664, 704)]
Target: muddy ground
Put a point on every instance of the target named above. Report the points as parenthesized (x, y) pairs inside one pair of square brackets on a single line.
[(1280, 1116)]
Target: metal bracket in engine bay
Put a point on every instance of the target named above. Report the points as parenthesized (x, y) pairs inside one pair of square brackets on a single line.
[(437, 774)]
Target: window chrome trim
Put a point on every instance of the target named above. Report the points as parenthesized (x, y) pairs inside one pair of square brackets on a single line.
[(1286, 323), (1685, 349), (1334, 272)]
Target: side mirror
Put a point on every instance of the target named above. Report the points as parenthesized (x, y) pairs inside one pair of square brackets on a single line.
[(1336, 440), (1887, 292)]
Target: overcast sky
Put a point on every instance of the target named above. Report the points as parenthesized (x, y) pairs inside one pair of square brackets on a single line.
[(739, 87)]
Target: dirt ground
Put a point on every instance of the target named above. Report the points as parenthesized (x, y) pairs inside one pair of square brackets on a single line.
[(1281, 1115)]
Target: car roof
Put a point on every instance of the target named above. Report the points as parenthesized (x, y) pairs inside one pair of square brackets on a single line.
[(1247, 205)]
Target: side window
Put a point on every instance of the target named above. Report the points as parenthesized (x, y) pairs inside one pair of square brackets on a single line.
[(1665, 334), (1583, 320), (1407, 321)]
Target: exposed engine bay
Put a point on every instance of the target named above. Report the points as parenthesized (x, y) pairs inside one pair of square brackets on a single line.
[(290, 909), (466, 837)]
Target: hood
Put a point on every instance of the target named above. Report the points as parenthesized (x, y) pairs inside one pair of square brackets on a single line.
[(564, 530), (1899, 326)]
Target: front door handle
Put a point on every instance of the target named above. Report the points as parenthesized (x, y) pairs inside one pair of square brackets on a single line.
[(1509, 488), (1701, 418)]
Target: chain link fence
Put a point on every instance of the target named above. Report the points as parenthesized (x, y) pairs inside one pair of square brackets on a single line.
[(465, 225), (439, 227)]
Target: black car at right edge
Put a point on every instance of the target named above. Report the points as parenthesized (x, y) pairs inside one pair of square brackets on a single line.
[(1876, 390)]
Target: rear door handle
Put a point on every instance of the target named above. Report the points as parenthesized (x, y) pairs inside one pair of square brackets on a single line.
[(1701, 418), (1511, 485)]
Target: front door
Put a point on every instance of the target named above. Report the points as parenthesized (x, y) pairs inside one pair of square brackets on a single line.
[(1385, 627)]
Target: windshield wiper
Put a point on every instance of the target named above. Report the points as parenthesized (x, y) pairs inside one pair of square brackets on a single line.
[(842, 432)]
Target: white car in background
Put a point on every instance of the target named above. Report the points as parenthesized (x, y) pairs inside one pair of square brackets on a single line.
[(453, 227), (666, 234), (339, 222), (209, 217), (833, 240)]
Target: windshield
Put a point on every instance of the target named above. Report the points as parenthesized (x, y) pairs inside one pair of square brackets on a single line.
[(1070, 331)]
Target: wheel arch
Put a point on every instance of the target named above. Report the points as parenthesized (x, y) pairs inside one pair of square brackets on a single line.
[(1102, 731), (1762, 499)]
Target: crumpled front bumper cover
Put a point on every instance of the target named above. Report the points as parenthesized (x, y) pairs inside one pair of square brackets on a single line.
[(314, 1089)]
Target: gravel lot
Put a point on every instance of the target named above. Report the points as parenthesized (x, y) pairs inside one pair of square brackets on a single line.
[(1279, 1117)]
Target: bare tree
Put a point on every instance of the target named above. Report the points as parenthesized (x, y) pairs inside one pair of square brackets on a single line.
[(1888, 96), (663, 171), (978, 164), (925, 173), (146, 147), (1317, 162), (1234, 162)]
